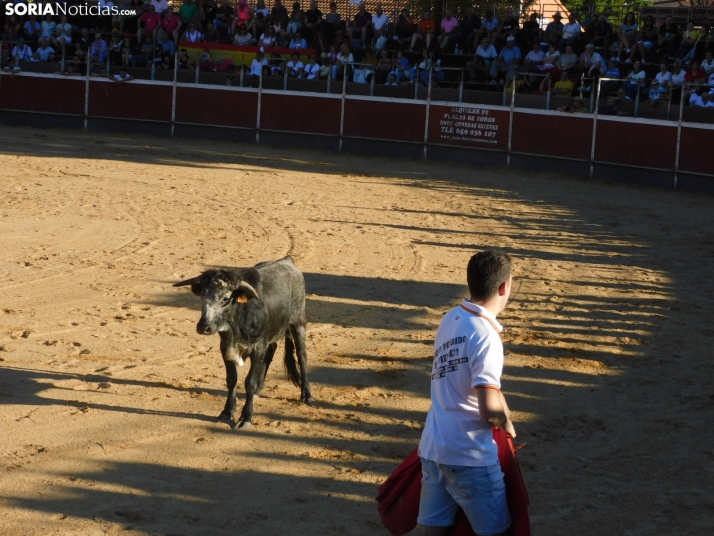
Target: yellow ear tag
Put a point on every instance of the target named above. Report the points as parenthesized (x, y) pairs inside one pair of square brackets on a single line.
[(242, 299)]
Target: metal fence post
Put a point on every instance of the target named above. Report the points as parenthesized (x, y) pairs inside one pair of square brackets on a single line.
[(679, 137), (285, 78), (371, 84), (173, 94), (547, 97), (461, 87), (153, 70), (342, 107), (198, 71), (428, 107), (329, 80), (86, 97), (637, 102), (510, 119), (592, 145), (260, 99), (242, 73), (416, 83)]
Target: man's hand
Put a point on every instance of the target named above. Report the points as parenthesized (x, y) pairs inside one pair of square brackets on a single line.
[(508, 427)]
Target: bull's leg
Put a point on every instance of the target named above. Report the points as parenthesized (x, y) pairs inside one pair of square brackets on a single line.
[(254, 378), (268, 359), (298, 333), (231, 376)]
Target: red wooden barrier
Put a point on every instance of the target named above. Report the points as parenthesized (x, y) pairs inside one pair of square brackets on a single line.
[(130, 100), (468, 126), (385, 120), (212, 106), (297, 113), (695, 152), (637, 144), (552, 135), (40, 94)]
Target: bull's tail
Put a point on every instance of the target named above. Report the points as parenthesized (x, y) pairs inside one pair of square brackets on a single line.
[(291, 365)]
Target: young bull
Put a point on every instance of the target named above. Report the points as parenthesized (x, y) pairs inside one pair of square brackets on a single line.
[(251, 309)]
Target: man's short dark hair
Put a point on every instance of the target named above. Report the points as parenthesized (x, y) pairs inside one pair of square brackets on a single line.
[(486, 272)]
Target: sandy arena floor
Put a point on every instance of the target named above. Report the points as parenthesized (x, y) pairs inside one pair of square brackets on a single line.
[(107, 394)]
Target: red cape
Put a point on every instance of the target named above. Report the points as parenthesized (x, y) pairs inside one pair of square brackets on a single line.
[(398, 496)]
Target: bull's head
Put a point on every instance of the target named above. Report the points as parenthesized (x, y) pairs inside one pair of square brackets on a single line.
[(219, 296)]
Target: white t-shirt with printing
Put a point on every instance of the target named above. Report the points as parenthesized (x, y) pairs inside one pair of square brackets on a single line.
[(467, 353)]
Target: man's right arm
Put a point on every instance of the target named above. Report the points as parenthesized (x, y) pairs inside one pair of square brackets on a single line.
[(493, 408)]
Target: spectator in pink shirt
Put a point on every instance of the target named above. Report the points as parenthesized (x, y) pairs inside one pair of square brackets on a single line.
[(171, 23), (449, 27), (151, 22)]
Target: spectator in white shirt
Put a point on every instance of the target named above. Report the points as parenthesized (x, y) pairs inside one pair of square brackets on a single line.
[(380, 20), (592, 61), (21, 52), (343, 58), (572, 33), (48, 28), (312, 69), (63, 34), (485, 55), (256, 67), (160, 6), (44, 51), (678, 74), (708, 64), (664, 77), (295, 66)]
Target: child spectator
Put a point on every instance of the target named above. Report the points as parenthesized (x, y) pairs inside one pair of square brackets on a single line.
[(295, 66)]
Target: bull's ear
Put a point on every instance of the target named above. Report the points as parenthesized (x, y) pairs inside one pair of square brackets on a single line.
[(195, 283)]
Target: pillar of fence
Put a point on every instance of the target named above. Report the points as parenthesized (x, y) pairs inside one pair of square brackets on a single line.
[(428, 109), (260, 102), (342, 106), (510, 119), (173, 94), (86, 96), (592, 143), (153, 70), (198, 72), (679, 138), (285, 79), (461, 87), (329, 80), (242, 73), (371, 84), (547, 96)]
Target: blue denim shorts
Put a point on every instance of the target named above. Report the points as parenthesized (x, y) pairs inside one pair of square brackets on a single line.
[(479, 491)]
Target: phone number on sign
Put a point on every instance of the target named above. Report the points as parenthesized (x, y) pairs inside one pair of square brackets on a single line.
[(467, 132)]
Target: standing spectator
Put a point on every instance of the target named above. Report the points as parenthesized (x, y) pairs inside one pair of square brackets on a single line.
[(188, 12), (531, 29), (48, 28), (602, 34), (44, 51), (171, 23), (484, 57), (635, 81), (160, 6), (278, 15), (312, 69), (449, 29), (192, 35), (342, 62), (468, 29), (627, 34), (227, 17), (149, 23), (564, 86), (243, 38), (554, 30), (572, 33), (508, 59), (668, 37), (332, 22), (489, 25), (425, 32), (297, 19), (21, 52), (313, 18), (647, 38), (212, 35), (380, 21), (360, 25), (508, 26), (298, 42)]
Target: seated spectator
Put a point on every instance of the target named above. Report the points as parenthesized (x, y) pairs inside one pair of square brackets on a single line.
[(613, 75), (613, 70), (449, 29), (256, 67), (425, 32), (212, 35), (298, 42), (258, 20), (609, 108), (405, 26), (554, 30), (21, 52), (575, 107), (656, 93), (635, 81), (705, 100), (627, 34), (229, 20), (647, 38), (668, 37), (484, 57), (421, 70), (693, 80), (508, 59), (143, 53), (332, 22), (171, 23), (531, 29), (591, 62), (564, 87), (572, 33), (63, 35), (243, 38), (664, 77), (122, 76), (508, 27), (312, 69), (96, 67), (278, 17), (708, 63), (384, 67), (100, 48), (568, 61), (149, 22), (380, 22), (360, 26), (533, 59), (547, 84), (44, 51), (282, 40), (468, 31), (295, 66), (342, 64), (183, 60), (192, 35), (678, 74), (392, 80), (489, 26), (276, 65), (35, 57), (319, 43), (401, 68), (32, 29), (48, 27), (167, 46), (602, 34), (689, 38), (313, 19), (268, 38), (550, 59), (11, 66)]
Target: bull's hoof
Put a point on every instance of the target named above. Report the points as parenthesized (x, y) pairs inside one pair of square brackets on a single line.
[(309, 401), (224, 418), (242, 425)]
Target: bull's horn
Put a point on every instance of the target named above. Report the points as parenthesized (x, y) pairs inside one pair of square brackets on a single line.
[(250, 291), (193, 281)]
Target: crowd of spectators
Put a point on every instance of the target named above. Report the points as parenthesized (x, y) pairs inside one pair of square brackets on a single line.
[(648, 60)]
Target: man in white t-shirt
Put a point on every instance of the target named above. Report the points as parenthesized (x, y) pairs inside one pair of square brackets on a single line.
[(379, 20), (458, 453)]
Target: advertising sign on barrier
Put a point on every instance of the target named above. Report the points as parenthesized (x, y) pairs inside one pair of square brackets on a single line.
[(468, 126)]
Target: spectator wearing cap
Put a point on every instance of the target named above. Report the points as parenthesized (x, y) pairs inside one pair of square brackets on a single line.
[(572, 33), (298, 42), (483, 58), (489, 26), (656, 93), (171, 23), (508, 59), (44, 51), (149, 22), (21, 51), (602, 33), (312, 69), (575, 107), (507, 27), (554, 30), (449, 29)]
